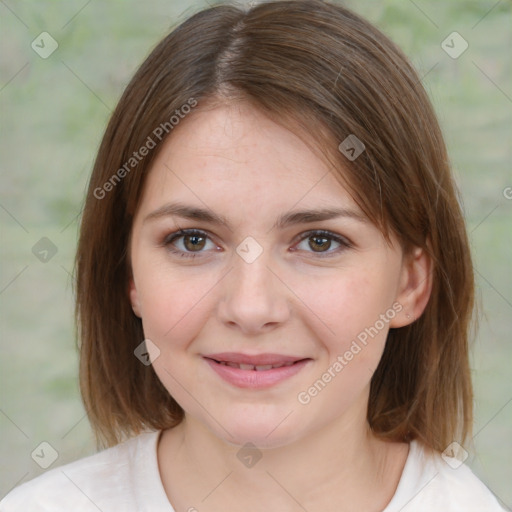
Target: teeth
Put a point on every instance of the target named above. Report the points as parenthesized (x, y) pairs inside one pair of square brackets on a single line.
[(258, 368), (263, 367)]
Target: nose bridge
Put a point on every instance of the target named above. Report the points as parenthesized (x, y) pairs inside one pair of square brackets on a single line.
[(251, 272), (253, 295)]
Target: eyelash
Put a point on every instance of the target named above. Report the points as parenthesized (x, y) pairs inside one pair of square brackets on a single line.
[(169, 239)]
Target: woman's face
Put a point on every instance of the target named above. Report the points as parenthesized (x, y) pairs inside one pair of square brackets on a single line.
[(269, 286)]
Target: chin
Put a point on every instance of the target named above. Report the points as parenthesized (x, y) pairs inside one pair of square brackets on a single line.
[(263, 432)]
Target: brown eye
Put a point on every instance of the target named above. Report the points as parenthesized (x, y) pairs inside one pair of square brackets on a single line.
[(188, 243), (320, 242)]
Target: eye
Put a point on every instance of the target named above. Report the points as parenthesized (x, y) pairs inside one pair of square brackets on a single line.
[(191, 241), (321, 241)]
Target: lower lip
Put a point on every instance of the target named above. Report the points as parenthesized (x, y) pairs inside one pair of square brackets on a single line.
[(254, 379)]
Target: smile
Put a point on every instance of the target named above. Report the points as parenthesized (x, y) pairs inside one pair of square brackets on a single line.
[(255, 372), (260, 368)]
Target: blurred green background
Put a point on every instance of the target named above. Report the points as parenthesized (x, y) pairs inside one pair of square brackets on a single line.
[(53, 113)]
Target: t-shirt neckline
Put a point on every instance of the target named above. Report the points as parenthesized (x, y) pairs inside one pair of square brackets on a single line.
[(150, 491), (149, 488)]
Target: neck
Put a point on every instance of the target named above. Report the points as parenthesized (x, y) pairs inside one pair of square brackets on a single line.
[(332, 469)]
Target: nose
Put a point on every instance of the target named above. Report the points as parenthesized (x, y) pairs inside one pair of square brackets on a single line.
[(254, 299)]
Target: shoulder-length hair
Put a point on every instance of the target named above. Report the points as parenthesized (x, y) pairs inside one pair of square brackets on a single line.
[(308, 64)]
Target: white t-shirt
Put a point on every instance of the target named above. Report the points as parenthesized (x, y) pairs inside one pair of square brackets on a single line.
[(125, 478)]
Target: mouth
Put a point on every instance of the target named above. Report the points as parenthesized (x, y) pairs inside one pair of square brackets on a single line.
[(260, 368), (261, 371)]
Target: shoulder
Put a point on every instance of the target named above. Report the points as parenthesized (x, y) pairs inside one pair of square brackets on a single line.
[(431, 482), (105, 478)]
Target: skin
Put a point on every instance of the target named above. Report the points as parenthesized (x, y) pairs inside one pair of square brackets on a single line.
[(290, 300)]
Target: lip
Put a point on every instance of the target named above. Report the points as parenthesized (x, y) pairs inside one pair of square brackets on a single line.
[(255, 379)]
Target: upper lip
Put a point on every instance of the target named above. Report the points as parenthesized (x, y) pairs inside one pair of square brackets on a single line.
[(255, 360)]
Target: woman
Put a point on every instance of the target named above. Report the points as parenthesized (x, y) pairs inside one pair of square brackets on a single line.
[(274, 283)]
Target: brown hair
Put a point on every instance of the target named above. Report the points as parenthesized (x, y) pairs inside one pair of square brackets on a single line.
[(305, 63)]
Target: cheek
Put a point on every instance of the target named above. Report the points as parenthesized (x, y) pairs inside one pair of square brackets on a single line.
[(346, 303), (173, 306), (174, 311), (358, 311)]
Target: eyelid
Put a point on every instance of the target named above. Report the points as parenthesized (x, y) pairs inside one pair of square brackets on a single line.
[(327, 233)]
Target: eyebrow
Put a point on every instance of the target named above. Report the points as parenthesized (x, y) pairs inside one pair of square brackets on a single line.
[(285, 220)]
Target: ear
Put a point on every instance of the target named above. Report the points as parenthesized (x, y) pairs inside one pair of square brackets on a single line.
[(134, 299), (414, 288)]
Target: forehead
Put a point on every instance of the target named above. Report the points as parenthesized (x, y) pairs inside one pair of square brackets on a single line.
[(235, 155)]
